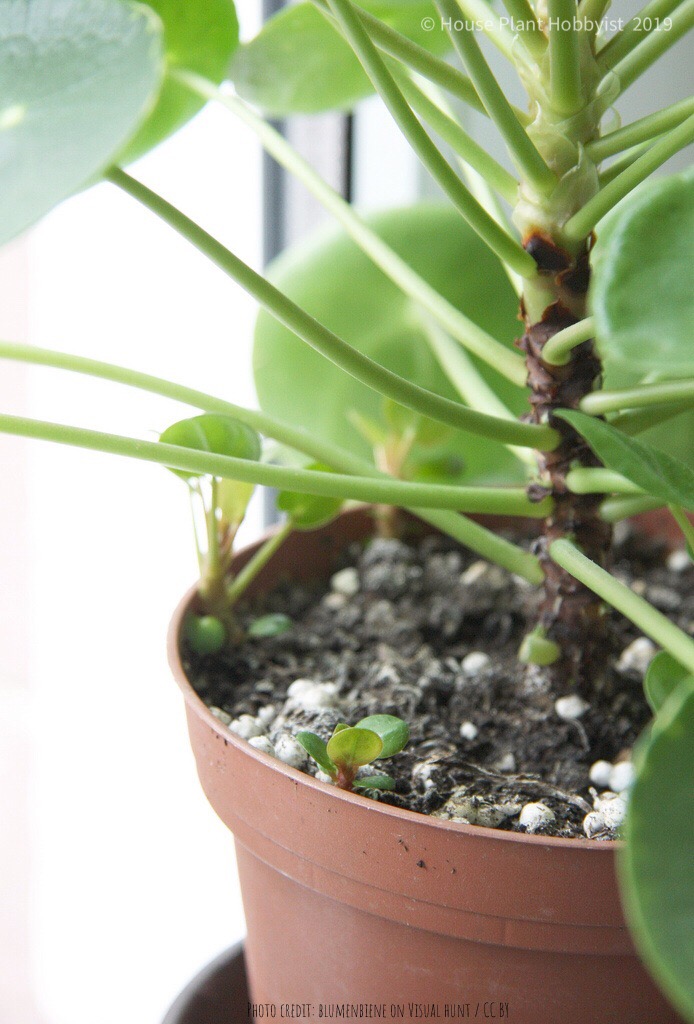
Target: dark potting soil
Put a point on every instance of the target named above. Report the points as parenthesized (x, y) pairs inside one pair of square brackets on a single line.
[(395, 635)]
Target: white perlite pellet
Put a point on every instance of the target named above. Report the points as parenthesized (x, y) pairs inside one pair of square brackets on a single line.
[(571, 707), (594, 824), (245, 726), (222, 716), (345, 582), (637, 656), (323, 777), (621, 776), (262, 743), (469, 731), (474, 662), (290, 751), (312, 696), (534, 816), (678, 561), (600, 773), (613, 809), (266, 715)]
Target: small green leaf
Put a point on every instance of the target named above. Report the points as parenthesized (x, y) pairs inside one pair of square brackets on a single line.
[(308, 511), (537, 649), (317, 749), (663, 676), (274, 624), (76, 79), (654, 471), (354, 747), (340, 727), (213, 432), (199, 36), (393, 732), (641, 294), (205, 634), (299, 64), (375, 782), (657, 866), (372, 431)]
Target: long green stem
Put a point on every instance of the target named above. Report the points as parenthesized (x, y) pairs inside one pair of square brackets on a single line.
[(505, 501), (375, 376), (564, 66), (469, 383), (625, 160), (613, 510), (684, 524), (525, 23), (583, 222), (654, 46), (595, 480), (558, 349), (590, 13), (416, 57), (523, 151), (633, 32), (457, 138), (506, 247), (245, 577), (601, 402), (642, 614), (643, 130), (478, 538), (487, 348), (483, 14)]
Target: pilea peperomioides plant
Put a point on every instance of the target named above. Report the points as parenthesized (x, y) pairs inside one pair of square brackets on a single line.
[(353, 747), (418, 308)]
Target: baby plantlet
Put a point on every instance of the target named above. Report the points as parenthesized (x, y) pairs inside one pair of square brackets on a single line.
[(352, 747)]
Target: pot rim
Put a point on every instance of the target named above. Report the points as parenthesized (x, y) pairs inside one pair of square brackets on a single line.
[(201, 710)]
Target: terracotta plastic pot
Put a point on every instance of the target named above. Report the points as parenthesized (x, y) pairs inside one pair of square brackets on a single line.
[(353, 902)]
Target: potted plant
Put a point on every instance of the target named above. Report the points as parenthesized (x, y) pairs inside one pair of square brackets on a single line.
[(403, 326)]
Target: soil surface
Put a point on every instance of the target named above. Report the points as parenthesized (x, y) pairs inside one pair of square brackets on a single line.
[(431, 634)]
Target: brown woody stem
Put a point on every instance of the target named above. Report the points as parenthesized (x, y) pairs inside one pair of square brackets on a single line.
[(570, 614)]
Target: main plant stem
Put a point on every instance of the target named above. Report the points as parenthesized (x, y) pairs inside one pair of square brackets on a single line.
[(570, 614)]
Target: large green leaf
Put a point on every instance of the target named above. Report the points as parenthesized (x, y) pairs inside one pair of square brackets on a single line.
[(657, 866), (331, 278), (199, 36), (76, 78), (299, 64), (213, 432), (663, 677), (641, 293), (653, 470)]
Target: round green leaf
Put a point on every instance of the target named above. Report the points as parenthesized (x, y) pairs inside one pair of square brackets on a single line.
[(273, 624), (199, 36), (316, 748), (383, 782), (354, 747), (308, 511), (76, 78), (331, 278), (205, 634), (657, 867), (299, 64), (393, 731), (641, 293), (213, 432), (663, 677)]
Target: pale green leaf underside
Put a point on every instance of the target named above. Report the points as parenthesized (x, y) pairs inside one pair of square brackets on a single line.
[(76, 78), (641, 293), (299, 63), (335, 282), (657, 868)]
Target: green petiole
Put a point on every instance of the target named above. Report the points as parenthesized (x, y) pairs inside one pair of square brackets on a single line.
[(640, 612), (600, 402)]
